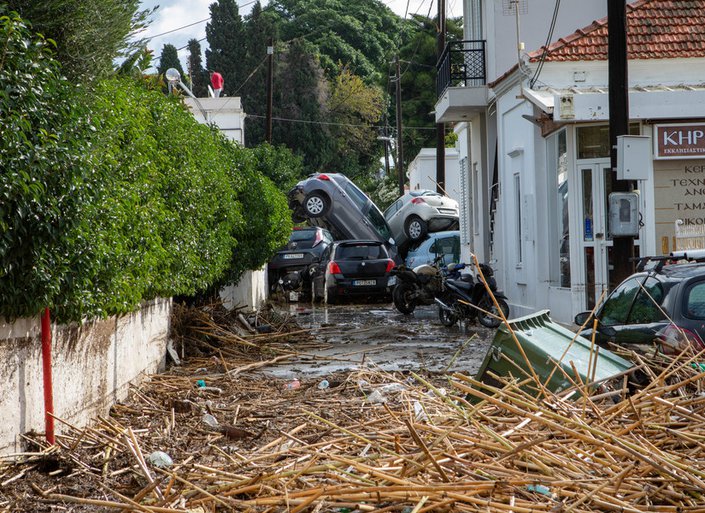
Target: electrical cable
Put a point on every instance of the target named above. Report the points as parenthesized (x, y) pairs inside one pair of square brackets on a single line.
[(330, 123), (545, 46)]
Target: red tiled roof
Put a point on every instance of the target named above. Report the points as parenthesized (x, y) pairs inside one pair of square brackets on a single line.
[(656, 29)]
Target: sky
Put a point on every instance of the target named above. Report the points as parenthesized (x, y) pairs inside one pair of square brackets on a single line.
[(175, 14)]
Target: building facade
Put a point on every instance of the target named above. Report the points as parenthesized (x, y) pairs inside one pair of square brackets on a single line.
[(538, 147)]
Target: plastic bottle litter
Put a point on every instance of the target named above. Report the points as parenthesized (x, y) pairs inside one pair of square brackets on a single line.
[(376, 397), (323, 384), (200, 383), (210, 421), (393, 387), (419, 412), (292, 385), (160, 459)]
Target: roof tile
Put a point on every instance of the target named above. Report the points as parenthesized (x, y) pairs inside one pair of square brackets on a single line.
[(656, 29)]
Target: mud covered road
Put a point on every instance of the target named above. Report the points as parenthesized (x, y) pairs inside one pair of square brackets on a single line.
[(377, 335)]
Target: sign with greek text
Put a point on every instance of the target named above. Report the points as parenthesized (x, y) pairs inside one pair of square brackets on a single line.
[(683, 141), (679, 195)]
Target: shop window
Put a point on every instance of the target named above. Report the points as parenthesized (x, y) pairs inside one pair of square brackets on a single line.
[(594, 140)]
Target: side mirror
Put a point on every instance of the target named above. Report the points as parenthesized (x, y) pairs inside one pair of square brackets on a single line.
[(582, 318)]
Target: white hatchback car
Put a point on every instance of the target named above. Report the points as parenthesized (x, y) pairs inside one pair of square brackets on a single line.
[(418, 212)]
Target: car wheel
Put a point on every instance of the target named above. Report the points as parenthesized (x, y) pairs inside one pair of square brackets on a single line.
[(492, 321), (316, 204), (416, 228)]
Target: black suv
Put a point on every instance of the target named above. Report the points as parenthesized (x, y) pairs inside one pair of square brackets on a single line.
[(662, 303), (290, 267)]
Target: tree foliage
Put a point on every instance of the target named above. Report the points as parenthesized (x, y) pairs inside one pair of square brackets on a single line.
[(169, 59), (419, 55), (226, 44), (118, 196), (89, 34), (197, 75)]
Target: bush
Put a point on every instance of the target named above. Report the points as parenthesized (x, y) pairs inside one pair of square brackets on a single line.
[(118, 195)]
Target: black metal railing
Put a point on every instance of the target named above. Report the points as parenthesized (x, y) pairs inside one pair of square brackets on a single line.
[(462, 64)]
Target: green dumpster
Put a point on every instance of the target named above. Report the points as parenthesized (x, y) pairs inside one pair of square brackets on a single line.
[(551, 349)]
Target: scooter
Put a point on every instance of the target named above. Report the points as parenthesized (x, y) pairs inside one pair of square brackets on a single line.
[(417, 286), (466, 298)]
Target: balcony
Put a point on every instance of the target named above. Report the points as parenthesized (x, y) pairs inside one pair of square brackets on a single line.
[(461, 81)]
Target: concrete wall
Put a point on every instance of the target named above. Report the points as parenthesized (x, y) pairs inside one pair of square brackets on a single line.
[(225, 112), (92, 364), (250, 291)]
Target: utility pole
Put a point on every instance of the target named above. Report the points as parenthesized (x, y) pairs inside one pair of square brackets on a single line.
[(440, 127), (400, 148), (270, 77), (623, 247)]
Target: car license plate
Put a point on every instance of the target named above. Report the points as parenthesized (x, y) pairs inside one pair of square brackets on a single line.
[(293, 256), (362, 283)]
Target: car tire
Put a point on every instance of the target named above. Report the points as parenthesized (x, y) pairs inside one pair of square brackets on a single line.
[(316, 204), (415, 228), (491, 321)]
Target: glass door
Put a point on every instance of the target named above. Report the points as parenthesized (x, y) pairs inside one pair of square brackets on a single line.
[(596, 243)]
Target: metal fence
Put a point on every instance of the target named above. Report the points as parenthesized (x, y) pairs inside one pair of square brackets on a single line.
[(461, 65)]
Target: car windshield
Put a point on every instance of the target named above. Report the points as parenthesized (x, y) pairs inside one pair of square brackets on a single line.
[(377, 219), (632, 303), (361, 252)]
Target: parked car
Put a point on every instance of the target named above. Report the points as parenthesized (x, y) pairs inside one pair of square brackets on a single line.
[(332, 201), (355, 268), (442, 247), (419, 212), (290, 267), (662, 303)]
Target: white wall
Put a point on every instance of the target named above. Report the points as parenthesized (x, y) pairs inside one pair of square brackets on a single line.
[(422, 172), (249, 291), (93, 366), (226, 113)]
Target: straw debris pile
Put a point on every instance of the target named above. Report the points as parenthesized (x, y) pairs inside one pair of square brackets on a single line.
[(370, 441)]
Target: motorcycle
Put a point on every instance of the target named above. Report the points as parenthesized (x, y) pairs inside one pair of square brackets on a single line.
[(417, 286), (466, 298)]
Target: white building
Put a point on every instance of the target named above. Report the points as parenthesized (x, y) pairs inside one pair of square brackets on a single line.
[(535, 149)]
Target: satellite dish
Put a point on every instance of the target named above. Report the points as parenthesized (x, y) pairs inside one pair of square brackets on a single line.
[(173, 75)]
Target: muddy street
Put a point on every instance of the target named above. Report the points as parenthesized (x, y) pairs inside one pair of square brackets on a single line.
[(378, 335)]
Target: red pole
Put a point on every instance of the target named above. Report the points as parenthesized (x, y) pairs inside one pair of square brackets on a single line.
[(46, 367)]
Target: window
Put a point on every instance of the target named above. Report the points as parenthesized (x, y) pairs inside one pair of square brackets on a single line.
[(356, 195), (380, 224), (449, 248), (557, 160), (361, 252), (695, 306), (594, 140), (517, 217), (634, 302), (393, 208)]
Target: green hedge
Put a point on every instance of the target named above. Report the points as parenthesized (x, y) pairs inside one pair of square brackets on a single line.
[(117, 195)]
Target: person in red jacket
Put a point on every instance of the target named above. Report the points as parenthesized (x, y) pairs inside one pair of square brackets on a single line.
[(217, 83)]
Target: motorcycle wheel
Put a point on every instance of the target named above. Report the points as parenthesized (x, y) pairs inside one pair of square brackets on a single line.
[(446, 317), (402, 298), (490, 321)]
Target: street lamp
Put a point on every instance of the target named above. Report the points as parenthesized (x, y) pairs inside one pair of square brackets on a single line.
[(174, 78)]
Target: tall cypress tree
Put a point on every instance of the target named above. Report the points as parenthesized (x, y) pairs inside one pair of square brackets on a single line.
[(259, 27), (169, 59), (226, 40), (199, 77)]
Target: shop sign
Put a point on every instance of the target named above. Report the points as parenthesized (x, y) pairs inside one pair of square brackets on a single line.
[(679, 141)]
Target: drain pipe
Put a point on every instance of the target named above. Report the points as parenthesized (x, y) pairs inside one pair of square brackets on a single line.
[(46, 367)]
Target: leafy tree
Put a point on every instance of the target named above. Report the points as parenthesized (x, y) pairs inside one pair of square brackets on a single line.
[(169, 59), (360, 34), (197, 75), (418, 57), (354, 107), (226, 40), (89, 34)]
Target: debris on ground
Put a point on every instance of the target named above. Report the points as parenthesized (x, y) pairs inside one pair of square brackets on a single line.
[(434, 443)]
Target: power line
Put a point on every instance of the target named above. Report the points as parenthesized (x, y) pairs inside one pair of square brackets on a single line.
[(533, 80), (330, 123)]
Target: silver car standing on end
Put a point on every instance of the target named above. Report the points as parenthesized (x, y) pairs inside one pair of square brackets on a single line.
[(419, 212)]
